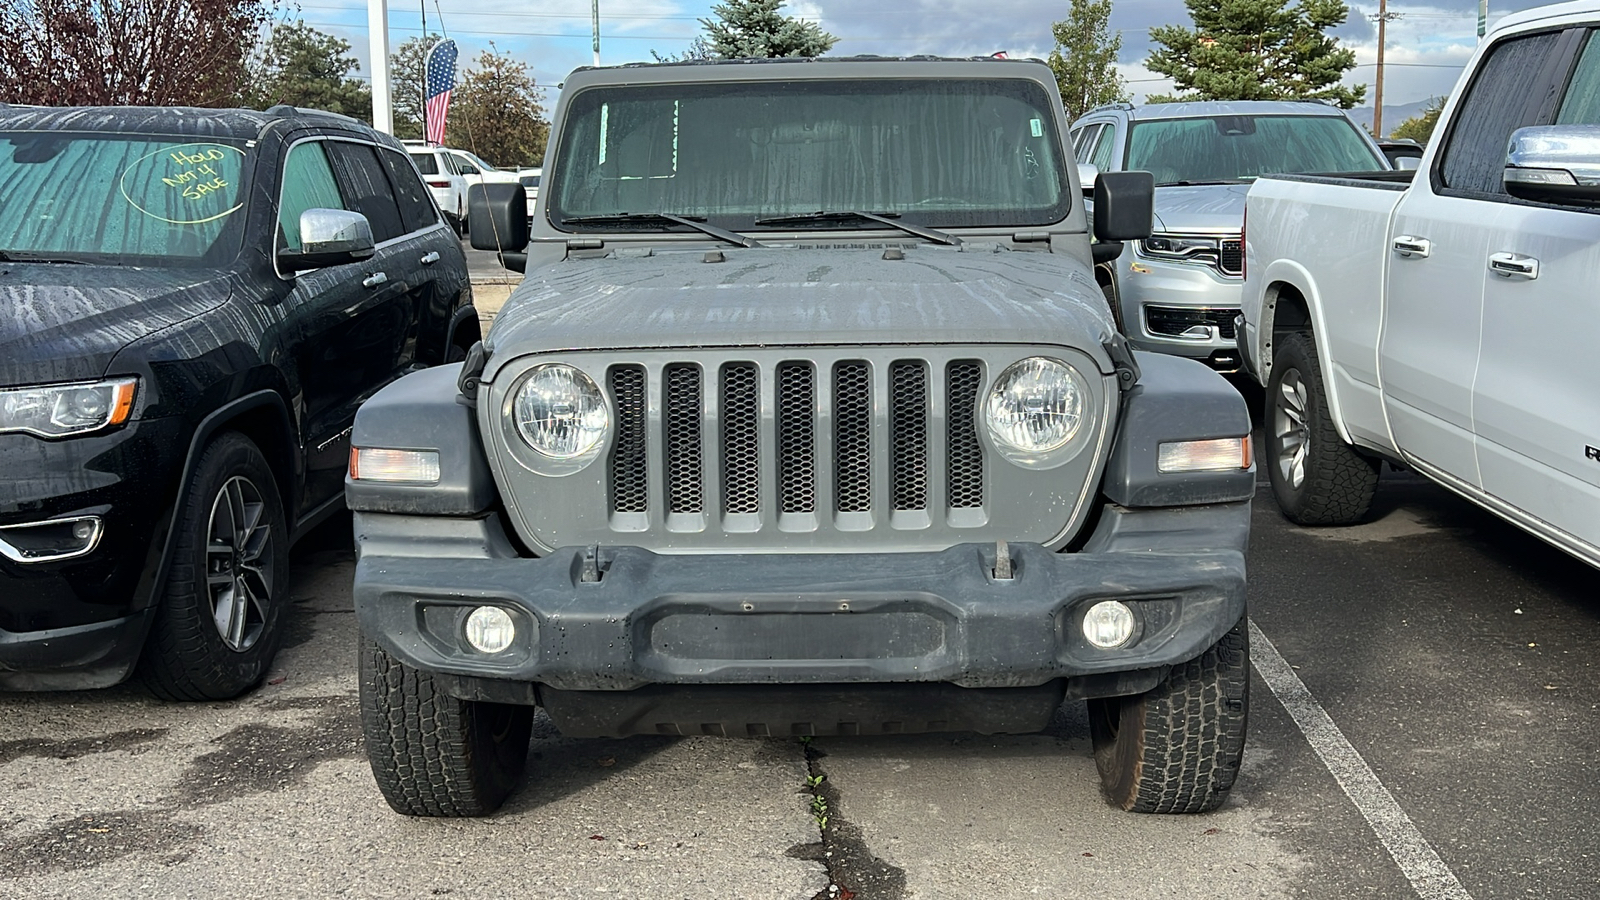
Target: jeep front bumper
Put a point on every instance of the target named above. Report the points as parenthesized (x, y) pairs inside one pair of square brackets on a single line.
[(634, 618)]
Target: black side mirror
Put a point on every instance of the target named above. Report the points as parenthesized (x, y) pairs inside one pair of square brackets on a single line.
[(1124, 205), (497, 217)]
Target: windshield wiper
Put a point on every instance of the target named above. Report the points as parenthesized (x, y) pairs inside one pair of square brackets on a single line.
[(7, 256), (1199, 183), (698, 223), (890, 219)]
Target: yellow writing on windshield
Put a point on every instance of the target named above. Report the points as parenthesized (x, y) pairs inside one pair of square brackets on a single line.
[(187, 184)]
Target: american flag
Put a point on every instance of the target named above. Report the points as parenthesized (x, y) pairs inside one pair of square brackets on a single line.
[(439, 78)]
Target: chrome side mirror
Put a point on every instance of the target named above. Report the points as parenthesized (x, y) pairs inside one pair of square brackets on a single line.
[(329, 237), (1555, 164)]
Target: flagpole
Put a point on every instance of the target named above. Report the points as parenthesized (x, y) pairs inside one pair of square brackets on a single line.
[(422, 90), (378, 49)]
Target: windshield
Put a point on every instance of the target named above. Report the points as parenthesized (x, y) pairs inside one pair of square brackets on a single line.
[(969, 152), (1239, 148), (120, 199)]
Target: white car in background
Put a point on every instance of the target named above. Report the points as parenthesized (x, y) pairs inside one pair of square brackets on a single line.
[(445, 180), (530, 185), (473, 168)]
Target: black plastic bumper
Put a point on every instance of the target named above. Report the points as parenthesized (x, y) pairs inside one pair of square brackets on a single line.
[(83, 657), (816, 619)]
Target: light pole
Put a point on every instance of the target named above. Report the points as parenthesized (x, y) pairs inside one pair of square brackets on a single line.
[(595, 6), (378, 48)]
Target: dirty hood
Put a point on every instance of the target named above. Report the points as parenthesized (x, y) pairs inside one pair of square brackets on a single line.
[(66, 322), (787, 296), (1203, 208)]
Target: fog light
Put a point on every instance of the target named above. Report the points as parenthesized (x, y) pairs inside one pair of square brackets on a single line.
[(490, 629), (1108, 624)]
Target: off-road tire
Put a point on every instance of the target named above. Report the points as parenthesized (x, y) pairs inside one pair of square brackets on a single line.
[(432, 754), (186, 656), (1336, 482), (1177, 748)]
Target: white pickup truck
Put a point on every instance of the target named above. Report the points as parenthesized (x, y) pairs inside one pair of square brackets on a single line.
[(1446, 323)]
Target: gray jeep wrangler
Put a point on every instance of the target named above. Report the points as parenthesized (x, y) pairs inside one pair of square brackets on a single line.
[(808, 418)]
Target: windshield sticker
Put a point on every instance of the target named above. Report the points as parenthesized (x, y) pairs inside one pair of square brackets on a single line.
[(185, 184), (1037, 126)]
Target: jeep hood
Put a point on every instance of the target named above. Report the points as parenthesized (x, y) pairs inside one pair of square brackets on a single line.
[(65, 322), (1203, 208), (779, 296)]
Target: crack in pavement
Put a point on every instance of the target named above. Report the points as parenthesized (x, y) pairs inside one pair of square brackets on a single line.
[(854, 873)]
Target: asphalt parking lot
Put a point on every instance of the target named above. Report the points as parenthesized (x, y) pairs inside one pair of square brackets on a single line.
[(1423, 724)]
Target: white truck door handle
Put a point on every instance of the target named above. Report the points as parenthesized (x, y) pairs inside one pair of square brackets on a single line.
[(1409, 246), (375, 279), (431, 258), (1514, 265)]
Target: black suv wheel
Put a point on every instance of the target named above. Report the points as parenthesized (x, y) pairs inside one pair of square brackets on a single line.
[(216, 628)]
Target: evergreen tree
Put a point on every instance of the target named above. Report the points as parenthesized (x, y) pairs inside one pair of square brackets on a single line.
[(497, 112), (1085, 57), (1420, 127), (697, 49), (1257, 50), (757, 29), (305, 67)]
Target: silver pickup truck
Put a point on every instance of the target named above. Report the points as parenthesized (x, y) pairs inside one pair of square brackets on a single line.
[(808, 418), (1177, 291), (1446, 322)]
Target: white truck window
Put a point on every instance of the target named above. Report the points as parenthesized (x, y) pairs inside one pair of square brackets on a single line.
[(1503, 97), (1581, 106)]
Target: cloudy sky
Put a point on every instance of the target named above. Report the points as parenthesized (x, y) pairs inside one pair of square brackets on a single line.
[(1427, 45)]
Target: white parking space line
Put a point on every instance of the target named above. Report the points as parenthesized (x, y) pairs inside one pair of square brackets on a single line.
[(1416, 858)]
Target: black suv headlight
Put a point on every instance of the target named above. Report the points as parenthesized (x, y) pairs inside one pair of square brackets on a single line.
[(67, 410)]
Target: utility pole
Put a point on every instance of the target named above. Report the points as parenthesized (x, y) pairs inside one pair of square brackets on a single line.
[(1383, 18), (378, 48), (596, 8)]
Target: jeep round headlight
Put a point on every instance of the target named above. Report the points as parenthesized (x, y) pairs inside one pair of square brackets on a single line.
[(559, 412), (1035, 406)]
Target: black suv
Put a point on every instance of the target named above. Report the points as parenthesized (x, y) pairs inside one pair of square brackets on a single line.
[(192, 305)]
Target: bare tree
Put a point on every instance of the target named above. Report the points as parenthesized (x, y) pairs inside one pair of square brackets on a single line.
[(127, 52)]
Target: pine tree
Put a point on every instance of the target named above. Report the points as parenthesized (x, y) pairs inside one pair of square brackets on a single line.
[(1257, 50), (757, 29), (305, 67), (1085, 57)]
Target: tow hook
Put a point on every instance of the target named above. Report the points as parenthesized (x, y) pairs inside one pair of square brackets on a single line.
[(1002, 561)]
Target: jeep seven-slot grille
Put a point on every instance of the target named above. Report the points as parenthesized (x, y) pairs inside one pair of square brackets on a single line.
[(807, 444), (681, 417), (741, 438), (630, 479), (966, 454)]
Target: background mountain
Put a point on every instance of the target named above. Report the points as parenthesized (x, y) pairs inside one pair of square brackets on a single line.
[(1392, 115)]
